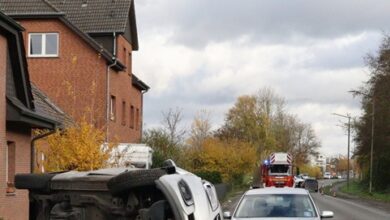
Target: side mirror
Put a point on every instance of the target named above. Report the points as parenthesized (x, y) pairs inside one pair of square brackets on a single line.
[(227, 215), (327, 214)]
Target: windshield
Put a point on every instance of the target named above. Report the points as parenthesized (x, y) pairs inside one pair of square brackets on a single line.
[(279, 169), (275, 205)]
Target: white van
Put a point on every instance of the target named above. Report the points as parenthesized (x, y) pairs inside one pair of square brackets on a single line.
[(327, 175), (129, 154)]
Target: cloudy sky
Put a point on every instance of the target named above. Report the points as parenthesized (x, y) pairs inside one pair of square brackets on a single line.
[(198, 54)]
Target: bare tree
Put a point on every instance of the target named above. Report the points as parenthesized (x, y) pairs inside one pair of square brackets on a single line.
[(306, 143), (269, 103), (200, 128), (171, 123)]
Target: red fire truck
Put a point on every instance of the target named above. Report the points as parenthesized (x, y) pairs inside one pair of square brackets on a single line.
[(277, 170)]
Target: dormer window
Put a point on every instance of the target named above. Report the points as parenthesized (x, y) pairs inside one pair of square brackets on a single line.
[(43, 45)]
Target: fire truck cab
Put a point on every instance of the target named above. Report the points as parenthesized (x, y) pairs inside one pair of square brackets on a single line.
[(277, 170)]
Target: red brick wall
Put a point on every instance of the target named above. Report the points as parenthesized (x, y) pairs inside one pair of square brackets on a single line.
[(3, 142), (12, 206), (121, 87), (69, 79), (75, 80), (15, 206)]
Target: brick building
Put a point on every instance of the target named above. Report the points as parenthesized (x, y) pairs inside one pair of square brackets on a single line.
[(19, 114), (79, 54)]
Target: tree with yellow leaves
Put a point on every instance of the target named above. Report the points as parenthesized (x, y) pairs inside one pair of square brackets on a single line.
[(79, 147), (312, 171), (232, 159)]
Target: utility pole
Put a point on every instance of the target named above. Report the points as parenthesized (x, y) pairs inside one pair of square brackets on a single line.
[(349, 140), (372, 143), (372, 132)]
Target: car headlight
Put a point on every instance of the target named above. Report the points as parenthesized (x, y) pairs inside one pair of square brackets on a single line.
[(211, 195)]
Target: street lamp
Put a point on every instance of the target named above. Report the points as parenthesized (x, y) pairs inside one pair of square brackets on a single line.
[(372, 132), (349, 135)]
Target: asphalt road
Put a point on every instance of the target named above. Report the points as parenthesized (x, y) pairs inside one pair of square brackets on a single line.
[(346, 209)]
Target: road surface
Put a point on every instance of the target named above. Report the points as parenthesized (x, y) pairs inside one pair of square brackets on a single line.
[(348, 209)]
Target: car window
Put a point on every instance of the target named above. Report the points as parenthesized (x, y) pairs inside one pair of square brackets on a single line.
[(279, 169), (275, 205)]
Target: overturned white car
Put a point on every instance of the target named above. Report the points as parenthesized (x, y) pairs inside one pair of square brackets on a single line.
[(121, 193)]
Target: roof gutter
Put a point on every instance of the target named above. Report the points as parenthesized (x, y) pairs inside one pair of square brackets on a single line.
[(36, 15), (142, 108), (32, 147), (108, 86)]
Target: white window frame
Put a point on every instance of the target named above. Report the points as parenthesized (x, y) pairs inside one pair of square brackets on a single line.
[(43, 54), (112, 108)]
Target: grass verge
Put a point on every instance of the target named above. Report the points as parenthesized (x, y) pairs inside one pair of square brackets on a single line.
[(360, 190)]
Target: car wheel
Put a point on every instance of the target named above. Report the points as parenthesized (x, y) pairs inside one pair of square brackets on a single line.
[(135, 178), (37, 182)]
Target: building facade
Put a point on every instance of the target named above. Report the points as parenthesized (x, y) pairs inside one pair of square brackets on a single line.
[(320, 161), (79, 54), (18, 116)]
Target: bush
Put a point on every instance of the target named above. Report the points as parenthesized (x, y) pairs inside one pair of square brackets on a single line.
[(231, 159), (213, 177), (77, 147)]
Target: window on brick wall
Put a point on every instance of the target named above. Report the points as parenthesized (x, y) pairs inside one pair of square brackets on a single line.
[(112, 108), (43, 45), (132, 117), (10, 156), (123, 113), (137, 120)]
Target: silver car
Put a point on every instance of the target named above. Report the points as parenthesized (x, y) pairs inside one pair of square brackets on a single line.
[(277, 203)]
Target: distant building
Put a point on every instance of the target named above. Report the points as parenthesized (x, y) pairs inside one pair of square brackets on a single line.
[(319, 161)]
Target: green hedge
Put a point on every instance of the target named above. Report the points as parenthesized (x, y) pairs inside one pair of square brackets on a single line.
[(213, 177)]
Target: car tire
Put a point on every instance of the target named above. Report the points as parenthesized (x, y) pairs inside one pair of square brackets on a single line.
[(135, 178), (34, 182)]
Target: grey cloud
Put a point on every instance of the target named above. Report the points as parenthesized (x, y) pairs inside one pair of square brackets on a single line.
[(196, 22), (191, 89), (300, 89), (344, 57), (188, 93), (322, 78)]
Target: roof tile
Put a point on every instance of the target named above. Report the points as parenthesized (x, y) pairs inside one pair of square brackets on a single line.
[(27, 7), (96, 16), (44, 106)]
